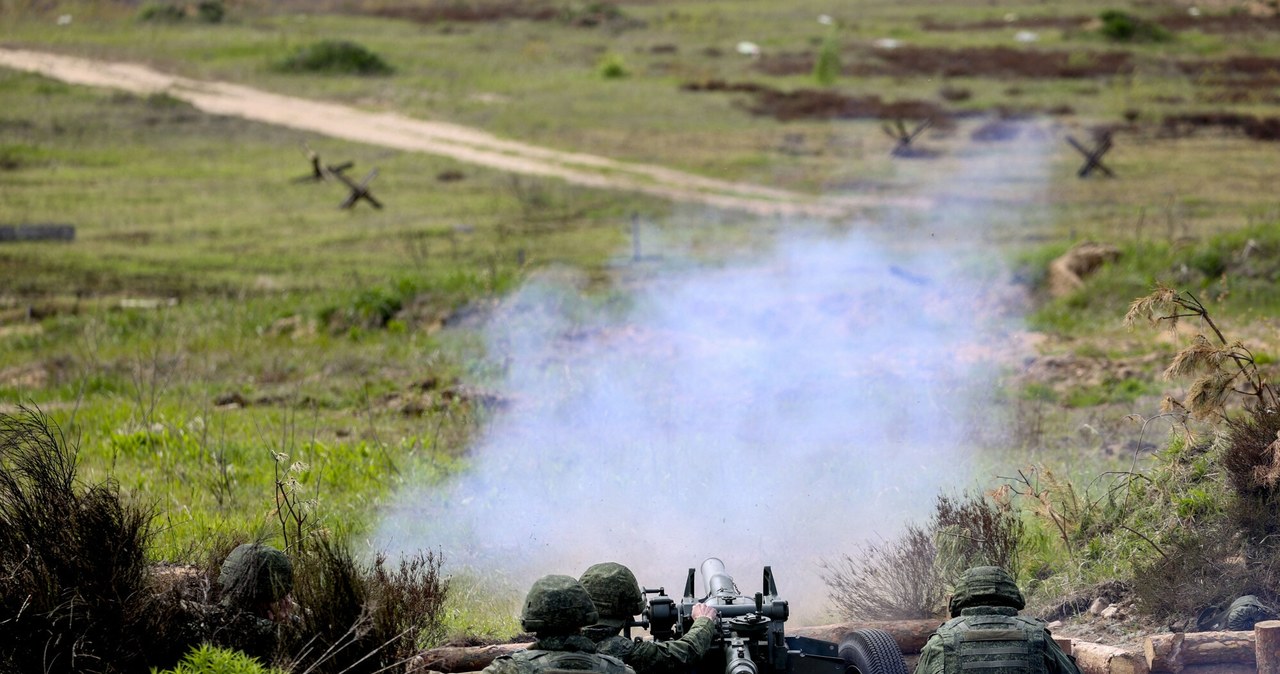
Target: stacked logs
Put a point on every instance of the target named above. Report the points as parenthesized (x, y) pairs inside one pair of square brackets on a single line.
[(1176, 653)]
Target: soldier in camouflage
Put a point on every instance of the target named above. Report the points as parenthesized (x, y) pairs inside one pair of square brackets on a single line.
[(556, 610), (1245, 612), (987, 636), (617, 597)]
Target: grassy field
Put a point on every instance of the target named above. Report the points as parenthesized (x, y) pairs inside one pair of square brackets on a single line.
[(217, 322)]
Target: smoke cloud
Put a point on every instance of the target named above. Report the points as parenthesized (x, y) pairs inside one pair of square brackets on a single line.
[(779, 409)]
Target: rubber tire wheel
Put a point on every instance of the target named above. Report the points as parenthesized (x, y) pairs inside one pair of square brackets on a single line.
[(873, 651)]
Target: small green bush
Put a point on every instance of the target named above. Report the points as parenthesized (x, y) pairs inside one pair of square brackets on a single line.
[(827, 68), (1121, 26), (211, 11), (208, 659), (612, 67), (335, 57), (161, 13)]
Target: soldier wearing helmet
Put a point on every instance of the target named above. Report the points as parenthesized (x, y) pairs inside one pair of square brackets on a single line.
[(987, 636), (556, 610), (617, 597), (258, 579)]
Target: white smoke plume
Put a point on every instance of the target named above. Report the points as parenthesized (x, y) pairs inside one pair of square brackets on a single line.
[(777, 409)]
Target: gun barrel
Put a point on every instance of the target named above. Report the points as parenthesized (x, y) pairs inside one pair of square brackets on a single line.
[(717, 580)]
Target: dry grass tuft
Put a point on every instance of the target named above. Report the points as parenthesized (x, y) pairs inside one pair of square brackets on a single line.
[(75, 585)]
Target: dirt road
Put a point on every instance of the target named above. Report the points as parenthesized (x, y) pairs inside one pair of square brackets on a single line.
[(438, 138)]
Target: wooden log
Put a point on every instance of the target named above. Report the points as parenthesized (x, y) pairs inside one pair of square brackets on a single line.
[(1177, 651), (911, 635), (1067, 644), (1101, 659), (1267, 646), (451, 659)]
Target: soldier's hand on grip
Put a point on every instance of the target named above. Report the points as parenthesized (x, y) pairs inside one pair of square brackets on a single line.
[(704, 611)]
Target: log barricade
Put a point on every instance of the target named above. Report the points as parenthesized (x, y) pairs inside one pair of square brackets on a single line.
[(1177, 653), (1267, 646)]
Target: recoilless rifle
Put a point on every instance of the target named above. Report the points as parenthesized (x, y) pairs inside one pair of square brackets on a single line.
[(750, 632)]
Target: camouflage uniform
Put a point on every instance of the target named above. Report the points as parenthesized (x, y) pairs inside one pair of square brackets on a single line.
[(616, 595), (1246, 612), (987, 636), (555, 611)]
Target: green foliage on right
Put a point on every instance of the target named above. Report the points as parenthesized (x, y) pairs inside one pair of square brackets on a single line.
[(335, 57), (1235, 268), (826, 69), (207, 659)]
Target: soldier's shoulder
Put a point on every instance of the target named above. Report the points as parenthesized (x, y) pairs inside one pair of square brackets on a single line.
[(616, 646)]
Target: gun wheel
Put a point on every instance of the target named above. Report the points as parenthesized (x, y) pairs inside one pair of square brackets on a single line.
[(873, 651)]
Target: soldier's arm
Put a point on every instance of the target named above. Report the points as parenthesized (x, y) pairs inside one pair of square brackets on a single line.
[(930, 657), (666, 656), (502, 665)]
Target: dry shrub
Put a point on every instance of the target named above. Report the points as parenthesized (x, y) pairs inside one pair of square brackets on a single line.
[(1202, 569), (357, 617), (75, 591), (1250, 454), (973, 530), (908, 577), (891, 580)]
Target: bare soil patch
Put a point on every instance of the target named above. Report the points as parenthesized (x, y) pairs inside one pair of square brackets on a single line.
[(993, 62)]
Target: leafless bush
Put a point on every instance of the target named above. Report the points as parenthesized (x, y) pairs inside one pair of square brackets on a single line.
[(74, 579), (972, 530), (891, 580), (362, 618)]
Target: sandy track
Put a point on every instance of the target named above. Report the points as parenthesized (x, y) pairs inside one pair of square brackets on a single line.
[(438, 138)]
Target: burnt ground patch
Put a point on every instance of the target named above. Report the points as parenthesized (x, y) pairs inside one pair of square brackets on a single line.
[(1233, 67), (1220, 23), (451, 11), (822, 104), (478, 12), (994, 62), (1037, 22), (1252, 126)]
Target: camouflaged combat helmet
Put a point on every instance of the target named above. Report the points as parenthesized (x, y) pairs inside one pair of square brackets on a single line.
[(557, 605), (985, 586), (254, 576), (1246, 612), (614, 591)]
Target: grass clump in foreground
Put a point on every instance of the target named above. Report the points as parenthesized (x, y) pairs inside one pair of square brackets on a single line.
[(76, 594), (208, 659), (80, 593), (336, 57)]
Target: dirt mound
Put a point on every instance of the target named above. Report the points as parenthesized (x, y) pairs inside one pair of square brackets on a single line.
[(995, 62), (1067, 273)]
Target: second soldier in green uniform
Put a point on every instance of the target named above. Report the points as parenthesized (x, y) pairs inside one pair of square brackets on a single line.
[(617, 597)]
